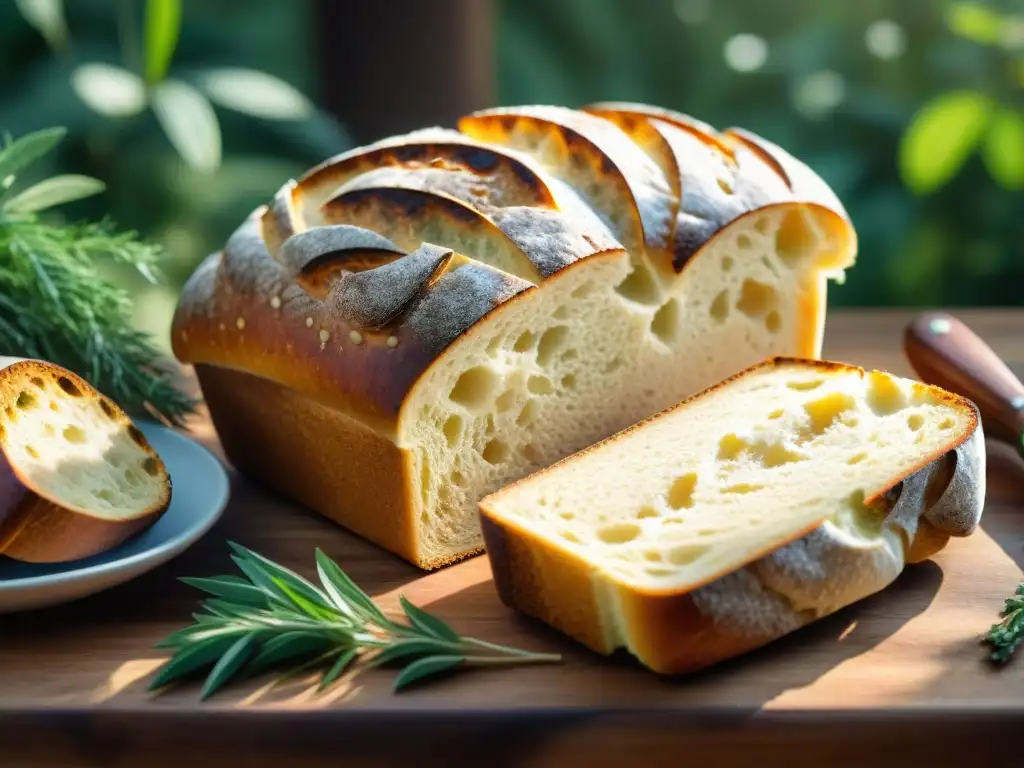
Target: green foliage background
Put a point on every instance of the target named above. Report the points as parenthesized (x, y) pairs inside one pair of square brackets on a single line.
[(957, 241)]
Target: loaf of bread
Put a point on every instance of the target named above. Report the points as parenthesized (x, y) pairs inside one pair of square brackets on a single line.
[(76, 476), (752, 509), (415, 323)]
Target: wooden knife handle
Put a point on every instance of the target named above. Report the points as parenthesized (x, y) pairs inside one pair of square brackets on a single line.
[(945, 352)]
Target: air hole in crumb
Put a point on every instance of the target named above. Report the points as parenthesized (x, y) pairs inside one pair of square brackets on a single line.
[(824, 411), (495, 452), (582, 291), (567, 515), (54, 406), (728, 263), (687, 554), (37, 382), (570, 354), (525, 341), (665, 324), (741, 488), (26, 400), (550, 341), (150, 466), (744, 241), (763, 225), (857, 459), (639, 286), (805, 386), (108, 409), (458, 478), (539, 385), (884, 394), (725, 186), (561, 313), (31, 451), (731, 446), (720, 306), (131, 478), (756, 298), (680, 495), (505, 400), (74, 434), (946, 423), (653, 555), (49, 430), (106, 495), (569, 381), (453, 429), (620, 533), (656, 572), (528, 414), (777, 414), (532, 454), (795, 240), (474, 386), (69, 386), (915, 421), (672, 521), (773, 321), (614, 364), (646, 511), (570, 537)]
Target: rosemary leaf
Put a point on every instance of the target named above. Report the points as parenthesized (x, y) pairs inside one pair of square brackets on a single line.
[(424, 668), (229, 664), (336, 670), (275, 620), (424, 622)]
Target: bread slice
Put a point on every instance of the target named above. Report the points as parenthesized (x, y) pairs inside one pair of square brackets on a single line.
[(416, 323), (76, 476), (764, 503)]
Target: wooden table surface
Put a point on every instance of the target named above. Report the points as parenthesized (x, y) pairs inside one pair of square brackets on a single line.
[(898, 678)]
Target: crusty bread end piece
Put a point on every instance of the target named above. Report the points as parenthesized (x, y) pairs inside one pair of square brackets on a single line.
[(768, 501), (77, 477)]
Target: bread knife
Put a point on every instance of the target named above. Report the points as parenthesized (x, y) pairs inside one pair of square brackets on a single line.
[(945, 352)]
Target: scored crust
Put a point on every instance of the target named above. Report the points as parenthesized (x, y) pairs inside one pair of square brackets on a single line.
[(790, 584), (461, 231), (35, 526)]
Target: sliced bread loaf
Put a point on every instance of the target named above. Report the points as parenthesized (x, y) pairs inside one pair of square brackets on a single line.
[(764, 503), (414, 324), (76, 476)]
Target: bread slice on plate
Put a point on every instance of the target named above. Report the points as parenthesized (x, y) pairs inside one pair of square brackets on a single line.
[(754, 508), (77, 477), (415, 323)]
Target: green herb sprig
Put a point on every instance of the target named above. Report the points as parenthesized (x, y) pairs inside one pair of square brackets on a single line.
[(56, 305), (275, 619), (1007, 635)]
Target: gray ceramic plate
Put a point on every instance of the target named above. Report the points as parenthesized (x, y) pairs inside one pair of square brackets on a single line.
[(200, 493)]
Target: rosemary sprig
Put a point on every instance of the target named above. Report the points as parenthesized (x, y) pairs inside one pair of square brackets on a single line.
[(275, 619), (54, 301), (1007, 635)]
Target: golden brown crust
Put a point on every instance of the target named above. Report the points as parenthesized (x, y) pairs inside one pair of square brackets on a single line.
[(33, 526)]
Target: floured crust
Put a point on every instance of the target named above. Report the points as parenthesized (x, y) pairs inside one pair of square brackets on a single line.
[(34, 527), (789, 586)]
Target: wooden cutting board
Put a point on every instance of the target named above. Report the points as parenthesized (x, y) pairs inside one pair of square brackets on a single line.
[(897, 679)]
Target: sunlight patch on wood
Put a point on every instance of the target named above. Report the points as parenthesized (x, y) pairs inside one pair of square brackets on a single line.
[(122, 678)]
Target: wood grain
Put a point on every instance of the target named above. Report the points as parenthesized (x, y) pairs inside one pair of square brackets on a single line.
[(896, 679)]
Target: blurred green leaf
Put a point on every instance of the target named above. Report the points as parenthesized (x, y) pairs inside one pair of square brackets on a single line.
[(109, 90), (47, 17), (54, 191), (162, 28), (24, 151), (188, 119), (1003, 149), (255, 93), (940, 137), (975, 22)]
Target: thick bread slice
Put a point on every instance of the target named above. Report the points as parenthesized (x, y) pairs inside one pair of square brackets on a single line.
[(745, 512), (76, 476), (414, 324)]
